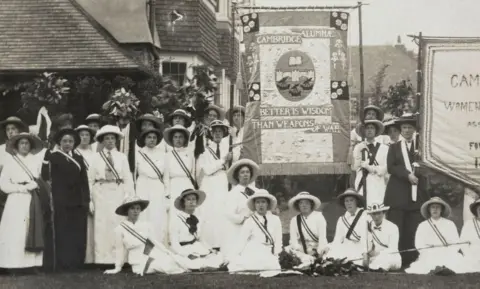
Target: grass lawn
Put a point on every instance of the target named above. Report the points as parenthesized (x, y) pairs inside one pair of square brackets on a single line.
[(95, 279)]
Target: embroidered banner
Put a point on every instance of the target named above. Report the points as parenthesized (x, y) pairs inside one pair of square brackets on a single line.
[(297, 117), (451, 108)]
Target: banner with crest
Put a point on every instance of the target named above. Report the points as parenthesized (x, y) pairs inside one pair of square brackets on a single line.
[(297, 116)]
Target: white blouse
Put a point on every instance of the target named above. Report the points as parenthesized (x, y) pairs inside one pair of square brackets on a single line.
[(11, 179), (341, 229), (315, 236), (426, 236), (129, 248), (87, 154), (179, 232), (120, 163), (210, 164), (157, 156), (236, 206), (386, 234)]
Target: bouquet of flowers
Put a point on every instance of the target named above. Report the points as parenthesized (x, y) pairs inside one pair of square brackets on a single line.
[(122, 103), (46, 89)]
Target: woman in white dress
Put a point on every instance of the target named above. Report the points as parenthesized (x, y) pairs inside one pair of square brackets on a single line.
[(260, 240), (179, 162), (308, 230), (18, 182), (85, 149), (146, 122), (351, 230), (150, 187), (135, 244), (238, 119), (471, 233), (178, 117), (185, 231), (111, 181), (439, 233), (241, 175)]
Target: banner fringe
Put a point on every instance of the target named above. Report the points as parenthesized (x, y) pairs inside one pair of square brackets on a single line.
[(305, 169)]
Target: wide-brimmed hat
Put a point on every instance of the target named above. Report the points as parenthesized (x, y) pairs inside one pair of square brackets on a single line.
[(182, 113), (407, 118), (261, 193), (447, 210), (378, 124), (36, 144), (473, 207), (108, 129), (86, 128), (390, 123), (380, 113), (128, 202), (375, 208), (254, 170), (218, 109), (351, 193), (219, 123), (15, 121), (157, 123), (168, 134), (304, 196), (67, 131), (143, 135), (200, 198), (94, 117), (234, 110)]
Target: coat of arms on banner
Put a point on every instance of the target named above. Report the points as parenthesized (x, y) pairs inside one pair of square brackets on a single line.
[(297, 119)]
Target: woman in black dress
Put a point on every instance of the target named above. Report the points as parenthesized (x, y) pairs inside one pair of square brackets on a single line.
[(71, 197)]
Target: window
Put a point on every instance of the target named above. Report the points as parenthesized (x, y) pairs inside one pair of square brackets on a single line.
[(175, 70)]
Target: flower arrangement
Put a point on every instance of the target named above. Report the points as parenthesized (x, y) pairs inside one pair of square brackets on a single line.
[(122, 104), (45, 89)]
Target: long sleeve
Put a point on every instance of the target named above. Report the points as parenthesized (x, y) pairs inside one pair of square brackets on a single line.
[(278, 236), (339, 234), (120, 250), (91, 173), (394, 168), (393, 240), (45, 171), (421, 236), (127, 177), (322, 233), (209, 165), (231, 210), (242, 240), (166, 176), (174, 241), (381, 169), (357, 156), (294, 235), (85, 184), (6, 184)]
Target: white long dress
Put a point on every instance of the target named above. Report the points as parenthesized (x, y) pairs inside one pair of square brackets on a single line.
[(375, 180), (88, 156), (16, 215), (215, 185), (353, 247), (107, 194), (235, 212), (314, 230), (129, 248), (471, 233), (383, 240), (150, 187), (176, 179), (183, 243), (447, 256), (257, 249)]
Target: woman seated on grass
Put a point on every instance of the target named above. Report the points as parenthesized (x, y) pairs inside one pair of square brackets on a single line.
[(184, 231), (308, 230), (260, 239), (133, 245), (439, 233)]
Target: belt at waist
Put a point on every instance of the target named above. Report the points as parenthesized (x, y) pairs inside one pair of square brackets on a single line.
[(103, 181), (188, 242)]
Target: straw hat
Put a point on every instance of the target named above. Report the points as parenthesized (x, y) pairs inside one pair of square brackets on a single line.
[(351, 193), (128, 202), (67, 131), (261, 193), (375, 208), (15, 121), (36, 144), (94, 117), (219, 123), (182, 113), (254, 169), (407, 118), (218, 109), (234, 110), (447, 210), (157, 123), (375, 108), (168, 134), (304, 196), (473, 207), (108, 129), (378, 124), (143, 135), (86, 128), (200, 198)]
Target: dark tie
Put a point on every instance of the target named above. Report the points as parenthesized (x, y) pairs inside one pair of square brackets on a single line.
[(249, 191), (371, 147), (192, 222), (108, 172), (218, 150), (265, 226), (378, 228)]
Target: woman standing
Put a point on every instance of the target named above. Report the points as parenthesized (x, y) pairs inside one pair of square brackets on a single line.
[(111, 181), (178, 117), (87, 151), (241, 175), (260, 240), (134, 243), (238, 119), (150, 187), (18, 182), (71, 198), (471, 233)]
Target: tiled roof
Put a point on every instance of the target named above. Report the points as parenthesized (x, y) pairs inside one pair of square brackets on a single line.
[(55, 35), (196, 32), (224, 39), (401, 65), (125, 20)]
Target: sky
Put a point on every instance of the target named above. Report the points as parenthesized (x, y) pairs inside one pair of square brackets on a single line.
[(384, 20)]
